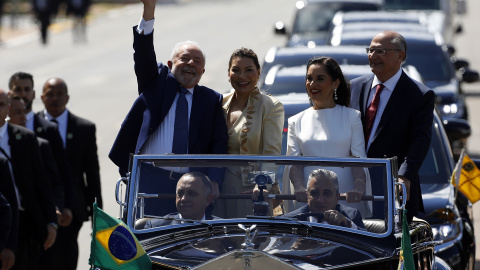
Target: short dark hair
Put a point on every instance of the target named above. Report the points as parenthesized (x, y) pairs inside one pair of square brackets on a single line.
[(19, 76), (205, 180), (244, 52), (334, 70)]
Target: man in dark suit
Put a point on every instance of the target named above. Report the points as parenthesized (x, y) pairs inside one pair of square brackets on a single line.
[(193, 195), (401, 125), (7, 255), (21, 85), (322, 197), (17, 116), (79, 139), (150, 126), (37, 215)]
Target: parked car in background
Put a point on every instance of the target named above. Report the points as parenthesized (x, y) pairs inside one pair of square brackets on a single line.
[(442, 14), (313, 18), (280, 57), (421, 18)]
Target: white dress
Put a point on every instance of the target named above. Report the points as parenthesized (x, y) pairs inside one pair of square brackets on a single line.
[(332, 132)]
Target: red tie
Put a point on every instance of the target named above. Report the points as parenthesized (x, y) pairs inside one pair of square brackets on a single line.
[(371, 112)]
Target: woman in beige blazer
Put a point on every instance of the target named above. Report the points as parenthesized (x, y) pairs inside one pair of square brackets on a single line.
[(255, 123)]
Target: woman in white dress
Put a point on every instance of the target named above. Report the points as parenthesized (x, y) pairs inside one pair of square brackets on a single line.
[(330, 128)]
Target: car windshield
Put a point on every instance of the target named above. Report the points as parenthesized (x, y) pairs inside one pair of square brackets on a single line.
[(317, 17), (144, 210)]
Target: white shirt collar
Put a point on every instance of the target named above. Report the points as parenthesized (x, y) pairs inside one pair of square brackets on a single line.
[(30, 124), (3, 130), (180, 216), (390, 83), (62, 118)]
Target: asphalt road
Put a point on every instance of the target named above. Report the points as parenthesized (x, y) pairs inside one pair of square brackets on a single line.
[(101, 80)]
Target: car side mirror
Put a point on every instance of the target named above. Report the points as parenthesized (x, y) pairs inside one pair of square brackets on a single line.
[(280, 28), (457, 129), (469, 75)]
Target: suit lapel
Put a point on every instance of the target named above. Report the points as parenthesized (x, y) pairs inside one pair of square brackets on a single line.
[(366, 87), (71, 130), (196, 116), (394, 101)]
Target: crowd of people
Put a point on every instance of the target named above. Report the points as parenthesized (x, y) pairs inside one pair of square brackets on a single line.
[(50, 175), (49, 164)]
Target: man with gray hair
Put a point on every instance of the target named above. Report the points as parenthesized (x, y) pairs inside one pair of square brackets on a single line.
[(193, 195), (173, 114), (322, 197), (397, 117)]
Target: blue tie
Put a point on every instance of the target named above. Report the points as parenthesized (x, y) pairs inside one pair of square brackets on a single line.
[(180, 133)]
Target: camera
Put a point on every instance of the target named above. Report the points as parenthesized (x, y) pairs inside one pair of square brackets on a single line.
[(261, 179)]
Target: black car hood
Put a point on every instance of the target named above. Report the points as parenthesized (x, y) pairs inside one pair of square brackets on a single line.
[(292, 250)]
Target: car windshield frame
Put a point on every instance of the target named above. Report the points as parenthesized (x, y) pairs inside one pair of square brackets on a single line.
[(129, 208)]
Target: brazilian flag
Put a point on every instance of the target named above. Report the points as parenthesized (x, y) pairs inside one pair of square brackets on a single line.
[(406, 253), (114, 246)]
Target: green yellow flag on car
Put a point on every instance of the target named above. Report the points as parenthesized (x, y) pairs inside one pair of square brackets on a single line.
[(406, 252), (114, 246)]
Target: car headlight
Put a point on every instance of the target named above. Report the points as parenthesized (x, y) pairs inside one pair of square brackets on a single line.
[(454, 110), (446, 231)]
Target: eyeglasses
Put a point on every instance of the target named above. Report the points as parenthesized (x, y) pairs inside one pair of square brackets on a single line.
[(379, 51)]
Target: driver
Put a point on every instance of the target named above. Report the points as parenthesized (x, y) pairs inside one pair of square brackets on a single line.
[(322, 197), (193, 195)]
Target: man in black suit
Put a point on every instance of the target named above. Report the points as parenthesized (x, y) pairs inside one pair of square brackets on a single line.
[(78, 136), (21, 85), (322, 197), (17, 116), (193, 195), (149, 127), (7, 255), (402, 123), (37, 215)]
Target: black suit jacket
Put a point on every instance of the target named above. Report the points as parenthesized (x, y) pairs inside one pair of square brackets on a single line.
[(52, 172), (48, 131), (404, 130), (350, 212), (170, 219), (31, 181), (157, 88), (81, 150), (5, 220), (8, 190)]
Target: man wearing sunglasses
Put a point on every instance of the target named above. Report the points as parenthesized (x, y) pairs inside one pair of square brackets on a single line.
[(397, 115)]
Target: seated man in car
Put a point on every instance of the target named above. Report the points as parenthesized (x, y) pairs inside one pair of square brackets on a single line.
[(323, 195), (193, 195)]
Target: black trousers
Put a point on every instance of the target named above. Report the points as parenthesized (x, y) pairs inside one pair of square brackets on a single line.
[(65, 248)]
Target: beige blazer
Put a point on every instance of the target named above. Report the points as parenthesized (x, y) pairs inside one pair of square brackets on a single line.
[(262, 125)]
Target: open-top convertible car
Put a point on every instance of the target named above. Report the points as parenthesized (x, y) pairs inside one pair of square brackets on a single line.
[(262, 240)]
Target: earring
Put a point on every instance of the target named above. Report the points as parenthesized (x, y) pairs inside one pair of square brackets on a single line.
[(335, 94)]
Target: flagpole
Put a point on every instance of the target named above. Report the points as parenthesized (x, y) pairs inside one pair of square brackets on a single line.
[(458, 171)]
